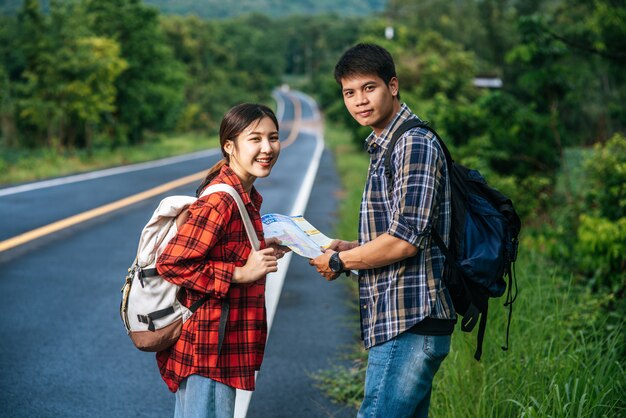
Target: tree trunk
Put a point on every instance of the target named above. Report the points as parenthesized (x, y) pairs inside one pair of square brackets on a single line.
[(89, 138), (7, 129)]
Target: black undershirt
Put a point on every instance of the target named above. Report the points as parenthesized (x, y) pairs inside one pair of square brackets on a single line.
[(433, 326)]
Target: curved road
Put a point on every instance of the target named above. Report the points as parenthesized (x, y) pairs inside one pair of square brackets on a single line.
[(64, 249)]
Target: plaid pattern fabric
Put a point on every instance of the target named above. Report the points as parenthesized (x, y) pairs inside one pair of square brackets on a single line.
[(201, 258), (396, 297)]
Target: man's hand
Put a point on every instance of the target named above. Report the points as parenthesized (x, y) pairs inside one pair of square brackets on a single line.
[(321, 264), (383, 250), (341, 245)]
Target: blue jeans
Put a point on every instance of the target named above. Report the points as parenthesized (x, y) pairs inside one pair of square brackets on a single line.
[(399, 375), (201, 397)]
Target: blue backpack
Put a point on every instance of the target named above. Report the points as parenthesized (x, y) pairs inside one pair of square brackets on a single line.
[(483, 241)]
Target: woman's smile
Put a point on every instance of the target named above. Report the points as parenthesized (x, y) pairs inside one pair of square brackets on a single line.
[(264, 161)]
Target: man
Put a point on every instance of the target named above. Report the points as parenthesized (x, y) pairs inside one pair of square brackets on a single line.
[(407, 316)]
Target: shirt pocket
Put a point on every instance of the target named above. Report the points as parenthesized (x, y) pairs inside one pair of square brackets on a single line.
[(378, 195), (233, 248), (207, 335)]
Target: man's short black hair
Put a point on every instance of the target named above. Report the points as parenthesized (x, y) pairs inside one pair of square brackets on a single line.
[(366, 59)]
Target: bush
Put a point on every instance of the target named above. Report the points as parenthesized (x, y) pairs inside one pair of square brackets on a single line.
[(600, 250), (606, 172)]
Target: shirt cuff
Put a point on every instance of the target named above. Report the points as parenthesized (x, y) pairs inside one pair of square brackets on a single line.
[(400, 228), (222, 276)]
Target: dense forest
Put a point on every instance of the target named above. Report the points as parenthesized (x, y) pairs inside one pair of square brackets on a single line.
[(211, 9), (90, 74), (217, 9)]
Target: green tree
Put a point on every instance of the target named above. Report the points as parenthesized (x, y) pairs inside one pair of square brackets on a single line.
[(32, 28), (569, 64), (11, 64), (7, 111), (69, 79), (256, 53), (595, 32), (33, 46), (482, 26), (314, 46), (150, 91), (92, 64), (438, 66), (194, 44), (227, 62)]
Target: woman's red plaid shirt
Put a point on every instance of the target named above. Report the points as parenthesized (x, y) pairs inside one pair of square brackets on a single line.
[(202, 258)]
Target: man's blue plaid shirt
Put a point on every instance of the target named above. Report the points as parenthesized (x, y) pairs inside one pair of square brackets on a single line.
[(396, 297)]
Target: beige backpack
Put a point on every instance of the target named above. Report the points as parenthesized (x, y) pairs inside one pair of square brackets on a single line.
[(150, 310)]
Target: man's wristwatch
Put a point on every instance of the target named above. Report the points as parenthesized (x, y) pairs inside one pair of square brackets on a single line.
[(335, 263)]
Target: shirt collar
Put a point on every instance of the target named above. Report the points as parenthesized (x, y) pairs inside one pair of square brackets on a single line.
[(228, 176), (373, 141)]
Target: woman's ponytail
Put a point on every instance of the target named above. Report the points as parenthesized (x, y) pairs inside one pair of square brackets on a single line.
[(213, 171)]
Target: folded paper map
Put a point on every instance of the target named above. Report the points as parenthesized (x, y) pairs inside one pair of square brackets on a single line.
[(296, 233)]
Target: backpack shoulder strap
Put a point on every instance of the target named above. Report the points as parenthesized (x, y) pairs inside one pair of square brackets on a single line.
[(254, 241), (404, 127)]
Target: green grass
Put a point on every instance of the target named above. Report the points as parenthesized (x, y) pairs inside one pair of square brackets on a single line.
[(566, 352), (17, 165), (565, 357), (352, 164)]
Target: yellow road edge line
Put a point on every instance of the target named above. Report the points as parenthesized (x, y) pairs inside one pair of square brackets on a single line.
[(295, 125), (99, 211)]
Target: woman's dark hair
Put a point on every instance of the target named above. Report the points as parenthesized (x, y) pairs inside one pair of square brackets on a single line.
[(366, 59), (234, 122)]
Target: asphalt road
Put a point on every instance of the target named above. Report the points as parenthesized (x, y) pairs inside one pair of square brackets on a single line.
[(63, 349), (311, 330)]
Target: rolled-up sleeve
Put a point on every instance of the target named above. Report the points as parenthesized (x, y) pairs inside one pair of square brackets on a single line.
[(184, 260), (417, 174)]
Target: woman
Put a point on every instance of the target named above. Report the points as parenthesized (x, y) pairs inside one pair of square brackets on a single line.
[(212, 254)]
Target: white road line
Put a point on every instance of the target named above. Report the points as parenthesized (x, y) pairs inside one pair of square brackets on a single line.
[(107, 172), (275, 280), (280, 110), (280, 105), (311, 102)]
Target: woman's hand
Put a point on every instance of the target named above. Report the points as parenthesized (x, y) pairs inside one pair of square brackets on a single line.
[(279, 250), (258, 265)]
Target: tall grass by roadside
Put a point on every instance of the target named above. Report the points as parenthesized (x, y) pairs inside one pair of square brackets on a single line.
[(566, 358), (21, 165), (566, 355)]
